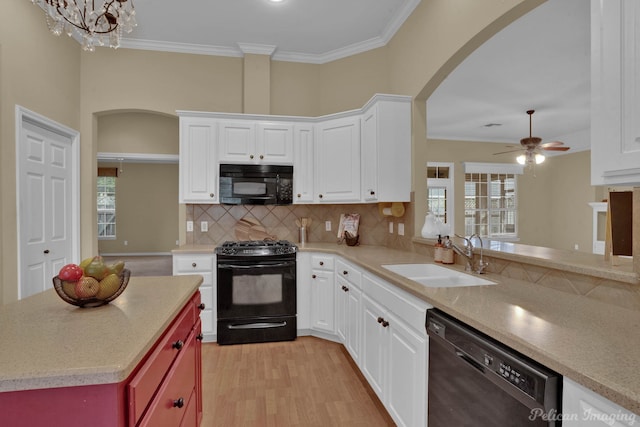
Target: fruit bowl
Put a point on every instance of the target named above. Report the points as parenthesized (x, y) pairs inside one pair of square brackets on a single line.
[(107, 290)]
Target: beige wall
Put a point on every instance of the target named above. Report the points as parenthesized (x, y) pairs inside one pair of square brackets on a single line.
[(39, 72), (570, 186), (138, 132), (146, 209), (434, 39)]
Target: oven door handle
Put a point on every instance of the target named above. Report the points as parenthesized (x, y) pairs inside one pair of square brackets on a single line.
[(254, 266), (259, 325)]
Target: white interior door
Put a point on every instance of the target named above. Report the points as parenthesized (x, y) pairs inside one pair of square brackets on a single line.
[(47, 188)]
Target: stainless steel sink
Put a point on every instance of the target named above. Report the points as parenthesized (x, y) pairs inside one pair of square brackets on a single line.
[(435, 276)]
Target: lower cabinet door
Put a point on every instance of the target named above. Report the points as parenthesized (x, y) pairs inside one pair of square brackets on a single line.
[(375, 346), (191, 414), (407, 380), (170, 405)]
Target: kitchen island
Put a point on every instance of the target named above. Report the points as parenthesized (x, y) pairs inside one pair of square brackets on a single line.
[(58, 360)]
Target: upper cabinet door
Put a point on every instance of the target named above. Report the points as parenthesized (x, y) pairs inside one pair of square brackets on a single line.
[(237, 140), (337, 160), (251, 142), (615, 92), (275, 143), (369, 148), (303, 164), (198, 163)]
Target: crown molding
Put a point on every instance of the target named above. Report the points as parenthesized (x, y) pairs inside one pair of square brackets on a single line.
[(196, 49), (257, 49)]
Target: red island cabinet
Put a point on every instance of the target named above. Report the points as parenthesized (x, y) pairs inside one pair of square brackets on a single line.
[(163, 390)]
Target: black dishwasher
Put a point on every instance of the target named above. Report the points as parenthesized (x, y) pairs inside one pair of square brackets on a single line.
[(476, 381)]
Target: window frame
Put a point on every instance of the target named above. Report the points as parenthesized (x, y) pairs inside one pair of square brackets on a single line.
[(449, 185), (489, 169), (102, 210)]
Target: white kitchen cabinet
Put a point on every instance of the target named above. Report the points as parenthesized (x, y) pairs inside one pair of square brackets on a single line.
[(303, 292), (274, 143), (348, 307), (198, 161), (582, 407), (323, 294), (407, 377), (337, 160), (615, 92), (204, 265), (256, 142), (303, 170), (375, 346), (237, 141), (386, 149), (394, 350)]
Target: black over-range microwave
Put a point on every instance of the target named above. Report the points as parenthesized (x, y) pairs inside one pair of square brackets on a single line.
[(256, 184)]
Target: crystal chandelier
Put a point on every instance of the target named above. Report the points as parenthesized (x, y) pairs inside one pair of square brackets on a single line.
[(97, 22)]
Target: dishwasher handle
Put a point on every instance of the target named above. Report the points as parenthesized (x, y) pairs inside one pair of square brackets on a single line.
[(469, 360)]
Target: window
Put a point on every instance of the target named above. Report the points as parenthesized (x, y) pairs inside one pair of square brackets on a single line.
[(490, 195), (106, 207), (440, 191)]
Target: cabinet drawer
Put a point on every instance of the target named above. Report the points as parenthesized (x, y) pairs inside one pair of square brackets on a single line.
[(321, 262), (349, 272), (173, 401), (145, 383), (192, 263), (407, 307)]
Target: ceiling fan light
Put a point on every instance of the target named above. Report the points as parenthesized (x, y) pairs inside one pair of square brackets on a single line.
[(522, 159), (539, 158)]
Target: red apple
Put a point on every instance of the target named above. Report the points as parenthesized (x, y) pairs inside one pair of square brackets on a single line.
[(70, 273), (87, 287)]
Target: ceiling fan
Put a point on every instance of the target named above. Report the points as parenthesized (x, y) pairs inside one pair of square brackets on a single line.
[(532, 147)]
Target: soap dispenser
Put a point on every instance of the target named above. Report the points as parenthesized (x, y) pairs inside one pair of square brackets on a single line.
[(447, 251), (437, 252)]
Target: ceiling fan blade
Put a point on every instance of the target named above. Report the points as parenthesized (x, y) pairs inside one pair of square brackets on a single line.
[(552, 144), (555, 148), (505, 152)]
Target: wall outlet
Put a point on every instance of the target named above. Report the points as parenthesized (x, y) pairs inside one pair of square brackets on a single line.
[(327, 225), (400, 229), (576, 247), (177, 242), (126, 242), (390, 228), (189, 225), (204, 226)]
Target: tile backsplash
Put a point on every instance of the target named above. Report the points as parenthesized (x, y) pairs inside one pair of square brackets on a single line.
[(280, 221)]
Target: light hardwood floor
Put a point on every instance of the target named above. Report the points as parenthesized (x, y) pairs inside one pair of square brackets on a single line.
[(306, 382)]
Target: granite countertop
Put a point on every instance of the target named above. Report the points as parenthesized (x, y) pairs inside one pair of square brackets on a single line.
[(48, 343), (591, 342)]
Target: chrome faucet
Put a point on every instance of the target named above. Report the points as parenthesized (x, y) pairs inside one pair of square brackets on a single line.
[(467, 252)]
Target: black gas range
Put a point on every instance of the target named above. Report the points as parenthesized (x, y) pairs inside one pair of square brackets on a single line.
[(256, 290), (256, 248)]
